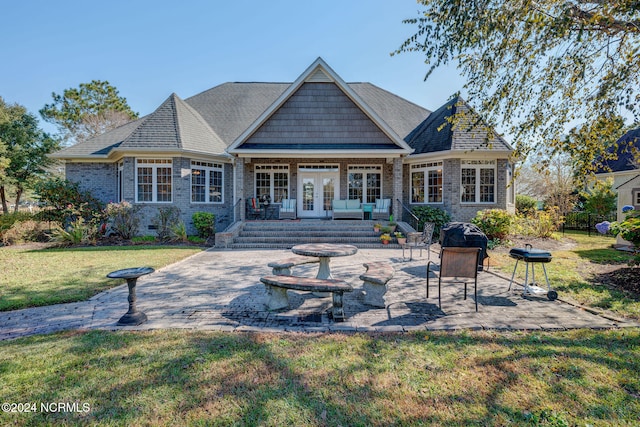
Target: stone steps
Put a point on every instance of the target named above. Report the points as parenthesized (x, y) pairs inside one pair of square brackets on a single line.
[(285, 234)]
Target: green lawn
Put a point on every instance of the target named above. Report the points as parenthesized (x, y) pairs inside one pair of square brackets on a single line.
[(177, 377), (572, 273), (578, 377), (33, 278)]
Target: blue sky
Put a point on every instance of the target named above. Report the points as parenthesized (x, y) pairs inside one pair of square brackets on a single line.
[(149, 49)]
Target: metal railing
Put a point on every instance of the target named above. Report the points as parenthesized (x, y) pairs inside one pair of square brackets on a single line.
[(585, 221), (408, 216), (237, 213)]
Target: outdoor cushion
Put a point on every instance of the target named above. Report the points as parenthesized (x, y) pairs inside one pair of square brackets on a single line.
[(288, 205), (339, 204), (382, 205), (353, 204)]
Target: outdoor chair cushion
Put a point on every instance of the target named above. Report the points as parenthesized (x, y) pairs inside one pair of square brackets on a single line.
[(339, 204), (382, 205), (288, 205), (353, 204)]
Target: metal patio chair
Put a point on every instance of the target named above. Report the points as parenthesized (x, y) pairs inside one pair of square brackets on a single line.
[(458, 263)]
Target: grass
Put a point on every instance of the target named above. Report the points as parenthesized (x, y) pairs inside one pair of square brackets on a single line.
[(177, 377), (209, 378), (571, 273), (32, 278)]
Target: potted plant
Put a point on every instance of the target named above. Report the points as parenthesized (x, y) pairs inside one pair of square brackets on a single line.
[(401, 238), (392, 225), (385, 238), (377, 226)]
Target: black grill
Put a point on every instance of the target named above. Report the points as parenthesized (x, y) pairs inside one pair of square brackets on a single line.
[(465, 235)]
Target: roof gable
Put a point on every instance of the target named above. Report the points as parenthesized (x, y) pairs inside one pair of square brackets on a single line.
[(320, 116), (174, 125), (437, 133)]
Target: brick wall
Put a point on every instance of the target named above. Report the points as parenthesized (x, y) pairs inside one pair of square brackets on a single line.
[(101, 179)]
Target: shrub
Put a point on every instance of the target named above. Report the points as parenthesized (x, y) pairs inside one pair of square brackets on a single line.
[(76, 233), (526, 205), (601, 198), (7, 220), (179, 232), (541, 224), (63, 201), (123, 218), (165, 221), (25, 231), (495, 223), (429, 214), (629, 229), (205, 223)]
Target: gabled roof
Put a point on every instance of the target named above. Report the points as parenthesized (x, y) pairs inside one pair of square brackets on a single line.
[(315, 112), (626, 149), (235, 117), (436, 133), (173, 126), (627, 182)]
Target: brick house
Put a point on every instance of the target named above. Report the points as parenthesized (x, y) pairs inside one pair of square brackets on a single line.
[(313, 140)]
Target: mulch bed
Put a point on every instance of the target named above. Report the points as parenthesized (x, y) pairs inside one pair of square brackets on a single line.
[(624, 278)]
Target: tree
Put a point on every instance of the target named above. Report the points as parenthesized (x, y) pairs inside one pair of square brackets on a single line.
[(540, 66), (27, 149), (600, 198), (553, 183), (7, 113), (89, 110)]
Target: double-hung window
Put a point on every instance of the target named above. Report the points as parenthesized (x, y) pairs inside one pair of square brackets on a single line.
[(426, 182), (365, 183), (478, 181), (207, 182), (272, 181), (154, 180)]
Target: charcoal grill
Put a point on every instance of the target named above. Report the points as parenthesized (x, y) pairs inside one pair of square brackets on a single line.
[(532, 256), (464, 235)]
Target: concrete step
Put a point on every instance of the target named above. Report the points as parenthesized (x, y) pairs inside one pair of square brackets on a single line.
[(285, 234)]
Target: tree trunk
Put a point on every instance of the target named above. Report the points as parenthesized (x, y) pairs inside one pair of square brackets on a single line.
[(18, 196), (3, 198)]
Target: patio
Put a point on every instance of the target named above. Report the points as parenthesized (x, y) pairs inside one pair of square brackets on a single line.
[(221, 290)]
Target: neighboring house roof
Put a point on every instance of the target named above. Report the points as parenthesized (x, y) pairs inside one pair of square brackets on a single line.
[(626, 148), (628, 182), (436, 133)]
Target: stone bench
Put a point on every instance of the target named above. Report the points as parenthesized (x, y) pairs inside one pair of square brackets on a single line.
[(283, 267), (277, 291), (375, 282)]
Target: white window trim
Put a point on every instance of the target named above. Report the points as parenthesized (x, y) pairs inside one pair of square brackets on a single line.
[(425, 168), (140, 163), (479, 165), (120, 179), (271, 170), (208, 167), (365, 169)]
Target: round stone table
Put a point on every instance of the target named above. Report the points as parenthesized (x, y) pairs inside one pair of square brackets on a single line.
[(132, 317), (324, 251)]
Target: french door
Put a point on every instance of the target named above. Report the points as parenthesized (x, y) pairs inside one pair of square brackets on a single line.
[(316, 189)]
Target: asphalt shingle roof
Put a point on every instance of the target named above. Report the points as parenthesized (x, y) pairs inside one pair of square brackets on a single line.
[(626, 148), (212, 120), (436, 133)]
